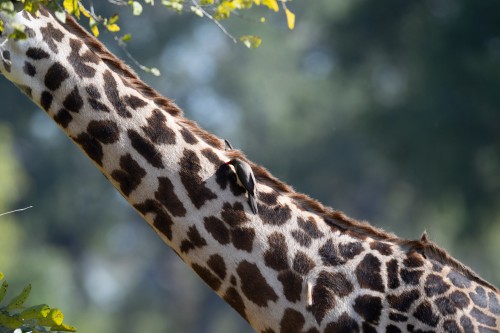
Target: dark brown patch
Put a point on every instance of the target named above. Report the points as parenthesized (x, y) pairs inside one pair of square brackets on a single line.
[(458, 279), (413, 260), (277, 215), (479, 297), (382, 248), (166, 195), (157, 130), (135, 102), (450, 326), (302, 264), (91, 146), (145, 148), (234, 215), (36, 53), (80, 62), (328, 286), (397, 317), (233, 298), (98, 106), (310, 227), (254, 285), (213, 281), (190, 166), (111, 90), (188, 136), (459, 299), (212, 157), (302, 238), (350, 250), (276, 256), (269, 198), (292, 321), (434, 285), (368, 273), (242, 238), (129, 176), (106, 131), (445, 306), (425, 314), (51, 35), (483, 318), (329, 255), (411, 277), (63, 118), (292, 285), (494, 304), (194, 240), (46, 100), (392, 273), (73, 101), (217, 229), (217, 264), (368, 307), (403, 301), (466, 324), (162, 221), (344, 324), (56, 74), (392, 329), (29, 69)]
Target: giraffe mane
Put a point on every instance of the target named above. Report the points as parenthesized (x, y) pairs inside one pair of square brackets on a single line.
[(335, 218)]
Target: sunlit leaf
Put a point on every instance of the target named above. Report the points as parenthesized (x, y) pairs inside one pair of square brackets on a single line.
[(63, 328), (206, 2), (272, 4), (61, 16), (35, 312), (93, 27), (54, 318), (197, 10), (252, 42), (113, 27), (7, 6), (290, 18), (113, 19), (155, 71), (150, 2), (136, 8), (126, 38)]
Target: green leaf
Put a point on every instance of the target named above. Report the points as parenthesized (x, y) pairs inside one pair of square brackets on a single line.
[(126, 38), (197, 10), (7, 6), (54, 318), (136, 8), (64, 328), (3, 290), (18, 301), (35, 312), (150, 2), (252, 42), (9, 322), (113, 19)]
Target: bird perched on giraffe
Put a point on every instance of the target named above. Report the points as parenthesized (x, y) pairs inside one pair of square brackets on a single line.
[(246, 179)]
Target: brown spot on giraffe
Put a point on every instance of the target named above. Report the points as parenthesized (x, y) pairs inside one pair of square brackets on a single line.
[(111, 90), (166, 195), (29, 69), (51, 35), (162, 220), (82, 64), (213, 281), (276, 256), (157, 130), (403, 301), (194, 240), (368, 273), (56, 75), (145, 148), (73, 101), (254, 285), (130, 174), (36, 53), (190, 166)]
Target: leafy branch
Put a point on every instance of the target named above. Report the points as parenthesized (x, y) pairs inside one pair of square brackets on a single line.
[(16, 317)]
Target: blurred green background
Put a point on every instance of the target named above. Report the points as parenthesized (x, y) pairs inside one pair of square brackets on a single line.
[(387, 110)]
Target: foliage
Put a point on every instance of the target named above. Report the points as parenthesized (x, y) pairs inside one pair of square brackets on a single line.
[(215, 10), (16, 317)]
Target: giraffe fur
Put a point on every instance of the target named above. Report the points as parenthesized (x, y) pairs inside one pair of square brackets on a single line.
[(297, 266)]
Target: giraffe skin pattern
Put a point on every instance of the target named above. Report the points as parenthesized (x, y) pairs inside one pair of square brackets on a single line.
[(297, 266)]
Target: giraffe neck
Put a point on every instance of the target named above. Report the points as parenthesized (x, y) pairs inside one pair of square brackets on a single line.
[(294, 267)]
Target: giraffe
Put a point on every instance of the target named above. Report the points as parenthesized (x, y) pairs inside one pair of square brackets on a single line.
[(296, 265)]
